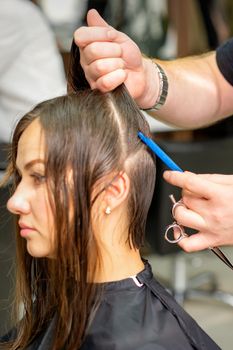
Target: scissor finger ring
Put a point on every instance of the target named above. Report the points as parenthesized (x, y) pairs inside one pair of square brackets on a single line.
[(175, 204), (173, 226)]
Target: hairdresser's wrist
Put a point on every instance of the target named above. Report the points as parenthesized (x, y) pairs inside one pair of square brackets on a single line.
[(150, 92)]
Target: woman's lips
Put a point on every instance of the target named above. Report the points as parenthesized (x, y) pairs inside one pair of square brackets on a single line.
[(25, 230)]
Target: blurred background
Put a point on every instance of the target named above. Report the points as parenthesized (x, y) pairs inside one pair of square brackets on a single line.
[(35, 39)]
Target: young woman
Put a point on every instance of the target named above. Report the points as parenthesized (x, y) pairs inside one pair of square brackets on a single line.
[(83, 186)]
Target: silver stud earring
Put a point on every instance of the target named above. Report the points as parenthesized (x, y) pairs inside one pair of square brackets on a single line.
[(108, 210)]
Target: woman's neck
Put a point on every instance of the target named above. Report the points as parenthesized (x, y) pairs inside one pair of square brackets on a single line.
[(118, 258), (117, 263)]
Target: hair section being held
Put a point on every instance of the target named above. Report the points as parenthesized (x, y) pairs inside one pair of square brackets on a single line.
[(76, 76)]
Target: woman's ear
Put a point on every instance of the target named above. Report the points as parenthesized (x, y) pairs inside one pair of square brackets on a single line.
[(117, 192)]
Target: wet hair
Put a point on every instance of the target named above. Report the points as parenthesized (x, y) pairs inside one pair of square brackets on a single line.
[(94, 135)]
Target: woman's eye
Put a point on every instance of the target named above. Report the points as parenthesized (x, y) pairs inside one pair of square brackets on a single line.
[(38, 179)]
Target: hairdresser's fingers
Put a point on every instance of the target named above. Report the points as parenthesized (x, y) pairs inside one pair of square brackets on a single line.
[(110, 81), (195, 202), (218, 178), (191, 182), (103, 66), (189, 218), (94, 19), (189, 193), (215, 178), (99, 30), (83, 36), (130, 51), (197, 241), (98, 50)]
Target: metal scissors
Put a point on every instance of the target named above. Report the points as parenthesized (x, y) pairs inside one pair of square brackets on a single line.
[(175, 225), (183, 235), (173, 166)]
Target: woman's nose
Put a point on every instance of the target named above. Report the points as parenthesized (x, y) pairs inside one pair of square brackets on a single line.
[(18, 204)]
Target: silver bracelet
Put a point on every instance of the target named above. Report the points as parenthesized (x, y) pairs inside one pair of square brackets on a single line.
[(163, 88)]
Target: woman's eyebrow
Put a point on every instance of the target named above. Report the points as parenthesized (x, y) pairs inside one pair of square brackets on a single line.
[(28, 165)]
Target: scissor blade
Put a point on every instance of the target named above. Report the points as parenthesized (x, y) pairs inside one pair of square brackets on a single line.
[(222, 256)]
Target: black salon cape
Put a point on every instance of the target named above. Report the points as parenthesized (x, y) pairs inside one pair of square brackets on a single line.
[(133, 317), (224, 59)]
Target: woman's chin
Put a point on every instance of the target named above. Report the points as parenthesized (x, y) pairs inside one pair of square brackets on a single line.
[(38, 252)]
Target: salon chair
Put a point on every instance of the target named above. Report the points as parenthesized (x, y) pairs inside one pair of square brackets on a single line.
[(206, 156), (7, 250)]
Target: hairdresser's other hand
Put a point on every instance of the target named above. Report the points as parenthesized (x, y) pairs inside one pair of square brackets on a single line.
[(110, 58), (209, 202)]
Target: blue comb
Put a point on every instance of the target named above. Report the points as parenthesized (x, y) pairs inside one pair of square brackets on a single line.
[(159, 152)]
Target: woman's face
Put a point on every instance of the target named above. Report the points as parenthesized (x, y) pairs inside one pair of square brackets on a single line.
[(30, 200)]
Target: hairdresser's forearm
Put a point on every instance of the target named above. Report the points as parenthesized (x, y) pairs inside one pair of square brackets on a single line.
[(198, 94)]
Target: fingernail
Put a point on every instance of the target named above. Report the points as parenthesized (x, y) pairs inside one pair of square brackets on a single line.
[(166, 174)]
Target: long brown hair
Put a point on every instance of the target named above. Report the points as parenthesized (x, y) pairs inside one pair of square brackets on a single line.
[(94, 134)]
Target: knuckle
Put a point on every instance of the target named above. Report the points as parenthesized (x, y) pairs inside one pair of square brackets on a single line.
[(178, 216), (92, 84), (82, 61), (86, 71), (185, 200), (99, 67), (92, 50), (216, 216), (78, 35), (189, 202), (189, 183), (105, 84)]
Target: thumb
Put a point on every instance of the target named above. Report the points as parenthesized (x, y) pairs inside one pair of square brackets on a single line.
[(95, 20), (196, 242)]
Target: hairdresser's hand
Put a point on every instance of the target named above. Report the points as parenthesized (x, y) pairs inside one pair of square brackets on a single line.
[(209, 202), (110, 58)]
